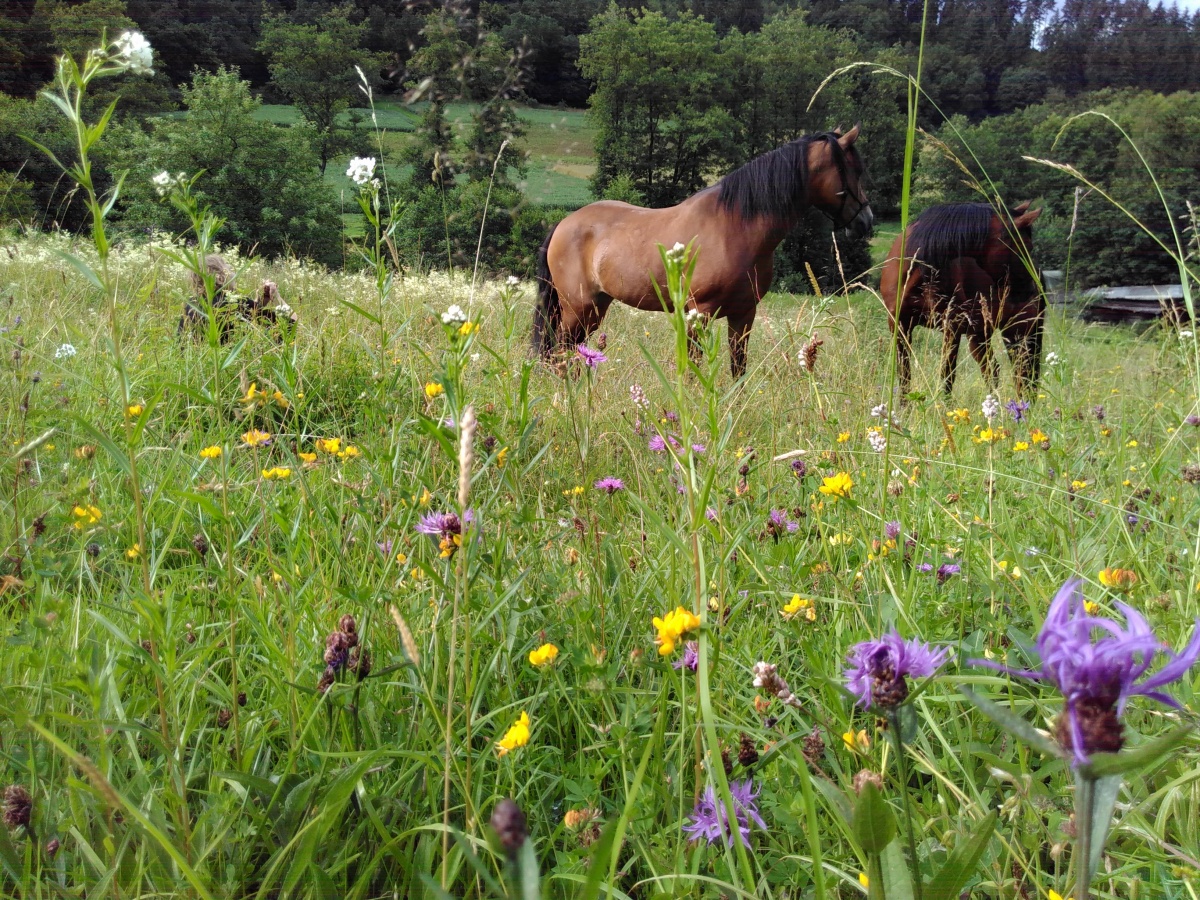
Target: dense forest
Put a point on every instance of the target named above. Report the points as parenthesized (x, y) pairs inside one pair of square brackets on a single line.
[(680, 91)]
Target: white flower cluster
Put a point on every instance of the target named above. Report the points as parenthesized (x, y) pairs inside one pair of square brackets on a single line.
[(1053, 359), (134, 53), (692, 315), (66, 351), (877, 439), (675, 254), (638, 396), (991, 407), (362, 171), (454, 315), (512, 281), (881, 412), (164, 181), (1185, 335)]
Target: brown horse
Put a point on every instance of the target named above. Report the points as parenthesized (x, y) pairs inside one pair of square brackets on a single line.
[(607, 250), (971, 277)]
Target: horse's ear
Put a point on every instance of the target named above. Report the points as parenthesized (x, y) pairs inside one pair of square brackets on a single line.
[(1027, 218), (848, 139), (840, 128), (1021, 207)]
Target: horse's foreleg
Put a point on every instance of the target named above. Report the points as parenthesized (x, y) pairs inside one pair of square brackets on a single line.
[(904, 355), (981, 349), (739, 339), (950, 341)]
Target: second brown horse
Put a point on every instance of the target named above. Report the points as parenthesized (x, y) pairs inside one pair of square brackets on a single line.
[(608, 250), (968, 271)]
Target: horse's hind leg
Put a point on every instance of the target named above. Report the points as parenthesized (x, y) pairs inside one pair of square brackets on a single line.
[(950, 341), (739, 340), (580, 318), (981, 349)]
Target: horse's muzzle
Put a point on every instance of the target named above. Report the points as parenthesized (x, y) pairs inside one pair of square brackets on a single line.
[(861, 225)]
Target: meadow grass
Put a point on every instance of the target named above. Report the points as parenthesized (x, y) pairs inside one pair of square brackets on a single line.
[(185, 791)]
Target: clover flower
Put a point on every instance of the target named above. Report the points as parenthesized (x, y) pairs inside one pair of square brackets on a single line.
[(591, 358), (990, 407), (710, 819), (892, 529), (1097, 678), (361, 170), (134, 53), (609, 485), (638, 396), (799, 468), (877, 670), (769, 681), (65, 351), (877, 439)]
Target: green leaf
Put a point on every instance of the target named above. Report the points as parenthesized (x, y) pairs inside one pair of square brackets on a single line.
[(873, 825), (954, 874), (1105, 764), (897, 884), (110, 447), (34, 444), (527, 865), (1013, 724), (1104, 801), (358, 309), (82, 268), (600, 852)]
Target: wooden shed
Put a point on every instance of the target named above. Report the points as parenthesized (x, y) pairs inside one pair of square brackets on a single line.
[(1136, 302)]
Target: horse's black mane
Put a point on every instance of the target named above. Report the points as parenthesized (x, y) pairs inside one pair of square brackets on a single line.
[(776, 184), (944, 233)]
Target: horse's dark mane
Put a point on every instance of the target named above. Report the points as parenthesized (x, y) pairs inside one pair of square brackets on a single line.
[(776, 184), (944, 233)]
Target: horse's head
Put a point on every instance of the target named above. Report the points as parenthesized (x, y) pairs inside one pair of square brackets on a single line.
[(1021, 228), (835, 182)]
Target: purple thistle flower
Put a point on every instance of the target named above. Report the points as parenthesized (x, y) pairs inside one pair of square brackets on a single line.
[(711, 514), (1017, 408), (690, 659), (709, 819), (945, 570), (385, 547), (780, 520), (659, 444), (876, 670), (925, 567), (609, 485), (591, 358), (892, 529), (699, 448), (444, 525), (672, 416), (1097, 678)]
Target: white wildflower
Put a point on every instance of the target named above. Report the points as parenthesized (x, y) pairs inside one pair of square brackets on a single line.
[(877, 439), (881, 412), (134, 53), (474, 357), (675, 254), (161, 182), (454, 315), (1185, 335), (283, 309), (638, 396), (1053, 359), (512, 281), (692, 315), (66, 351), (991, 407), (361, 170)]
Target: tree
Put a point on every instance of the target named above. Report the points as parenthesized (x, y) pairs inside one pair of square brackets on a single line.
[(260, 177), (314, 66)]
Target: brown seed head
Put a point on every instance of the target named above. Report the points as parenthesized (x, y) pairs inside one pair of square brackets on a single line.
[(863, 776), (18, 806), (509, 824)]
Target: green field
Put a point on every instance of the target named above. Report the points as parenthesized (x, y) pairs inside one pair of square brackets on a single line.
[(133, 628)]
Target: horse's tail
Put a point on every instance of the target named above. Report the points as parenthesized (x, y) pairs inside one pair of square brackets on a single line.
[(547, 313)]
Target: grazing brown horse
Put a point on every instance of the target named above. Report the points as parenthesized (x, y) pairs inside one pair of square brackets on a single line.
[(607, 250), (971, 278)]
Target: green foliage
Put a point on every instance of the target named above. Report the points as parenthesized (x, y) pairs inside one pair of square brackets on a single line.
[(262, 179), (16, 200), (1107, 248), (315, 66)]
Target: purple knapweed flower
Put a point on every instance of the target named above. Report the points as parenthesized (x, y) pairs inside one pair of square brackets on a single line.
[(659, 444), (699, 449), (925, 567), (711, 514), (780, 521), (945, 570), (444, 525), (892, 529), (690, 659), (385, 547), (609, 485), (1017, 408), (1097, 678), (671, 416), (591, 358), (1192, 420), (709, 819), (876, 670)]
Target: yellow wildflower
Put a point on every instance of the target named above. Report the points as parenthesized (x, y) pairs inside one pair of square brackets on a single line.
[(856, 742), (959, 416), (797, 606), (253, 393), (1118, 579), (841, 539), (1054, 895), (467, 327), (349, 453), (401, 558), (308, 458), (135, 410), (256, 438), (1037, 436), (988, 435), (866, 882), (1078, 485), (280, 399), (213, 452), (843, 437), (86, 516), (276, 472), (502, 457), (1131, 443), (672, 627), (543, 655), (1091, 607), (329, 445), (837, 486), (433, 389), (1105, 431), (134, 552), (1020, 446), (516, 736)]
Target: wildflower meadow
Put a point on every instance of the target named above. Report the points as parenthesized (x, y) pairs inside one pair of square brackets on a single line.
[(367, 602)]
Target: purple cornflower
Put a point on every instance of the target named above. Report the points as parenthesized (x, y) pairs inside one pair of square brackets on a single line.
[(672, 416), (1018, 408), (690, 659), (710, 820), (945, 570), (609, 485), (925, 567), (591, 358), (876, 670), (699, 449), (892, 529), (1097, 679), (659, 444), (446, 528), (799, 468), (780, 520)]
